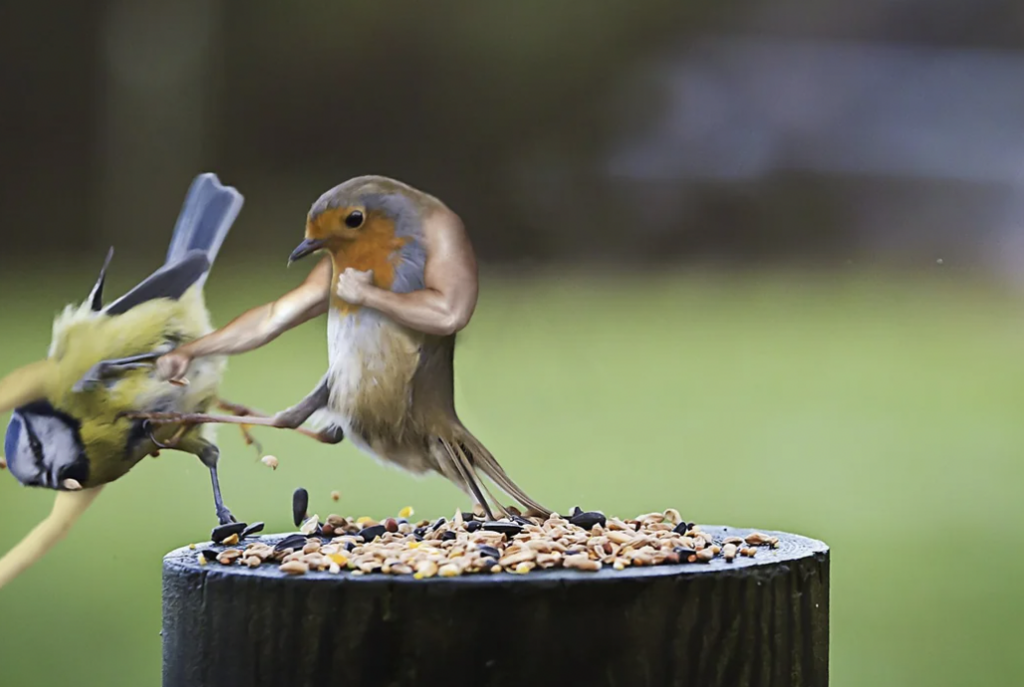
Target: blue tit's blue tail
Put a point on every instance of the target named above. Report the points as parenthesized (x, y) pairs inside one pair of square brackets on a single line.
[(206, 217)]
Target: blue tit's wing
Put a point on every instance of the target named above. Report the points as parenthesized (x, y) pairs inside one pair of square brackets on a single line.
[(170, 281), (96, 295)]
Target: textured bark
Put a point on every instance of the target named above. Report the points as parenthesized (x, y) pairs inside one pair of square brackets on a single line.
[(760, 621)]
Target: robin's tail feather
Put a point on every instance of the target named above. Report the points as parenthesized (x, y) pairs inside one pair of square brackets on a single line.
[(467, 456)]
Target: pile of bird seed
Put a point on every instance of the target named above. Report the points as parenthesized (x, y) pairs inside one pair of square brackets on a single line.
[(471, 544)]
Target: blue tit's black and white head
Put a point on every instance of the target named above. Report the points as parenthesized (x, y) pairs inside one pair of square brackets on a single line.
[(44, 448)]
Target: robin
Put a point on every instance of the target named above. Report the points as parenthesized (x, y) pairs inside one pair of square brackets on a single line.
[(399, 281)]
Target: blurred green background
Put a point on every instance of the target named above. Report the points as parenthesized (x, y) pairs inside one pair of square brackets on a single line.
[(778, 302)]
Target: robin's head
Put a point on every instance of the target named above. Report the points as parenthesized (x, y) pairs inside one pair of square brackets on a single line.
[(369, 214)]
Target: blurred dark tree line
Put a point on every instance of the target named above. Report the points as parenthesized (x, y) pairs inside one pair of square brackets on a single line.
[(506, 111)]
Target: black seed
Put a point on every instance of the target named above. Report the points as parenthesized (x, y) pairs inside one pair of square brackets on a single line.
[(467, 517), (210, 554), (490, 563), (419, 533), (252, 529), (292, 541), (448, 536), (504, 526), (681, 528), (300, 503), (349, 546), (521, 521), (222, 532), (472, 526), (490, 551), (576, 510), (684, 553), (402, 521), (588, 520), (370, 533), (440, 521)]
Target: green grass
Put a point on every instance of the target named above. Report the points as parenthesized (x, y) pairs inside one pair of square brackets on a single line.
[(882, 415)]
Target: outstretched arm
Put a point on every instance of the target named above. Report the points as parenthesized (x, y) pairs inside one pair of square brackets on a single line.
[(25, 384), (447, 302), (256, 327)]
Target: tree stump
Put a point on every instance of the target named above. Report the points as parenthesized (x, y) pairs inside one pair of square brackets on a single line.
[(752, 622)]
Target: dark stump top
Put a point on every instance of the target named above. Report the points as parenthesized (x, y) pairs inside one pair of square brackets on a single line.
[(791, 548)]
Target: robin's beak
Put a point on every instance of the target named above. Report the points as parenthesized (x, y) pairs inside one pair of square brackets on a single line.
[(307, 247)]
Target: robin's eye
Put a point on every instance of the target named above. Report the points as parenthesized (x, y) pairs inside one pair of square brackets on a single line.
[(354, 219)]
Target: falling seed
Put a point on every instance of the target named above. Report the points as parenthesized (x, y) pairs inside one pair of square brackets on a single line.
[(300, 503), (406, 512), (335, 495), (72, 484), (270, 461), (3, 463)]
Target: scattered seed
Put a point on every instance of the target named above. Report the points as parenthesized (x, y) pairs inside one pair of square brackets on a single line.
[(729, 551), (3, 464), (300, 504), (335, 495), (448, 536), (503, 526), (757, 539), (201, 559), (292, 541), (209, 554), (391, 525), (294, 568), (228, 556), (252, 529), (473, 526), (310, 526), (440, 521), (270, 461), (705, 555), (449, 570), (221, 533), (231, 540), (406, 512), (370, 533), (588, 520)]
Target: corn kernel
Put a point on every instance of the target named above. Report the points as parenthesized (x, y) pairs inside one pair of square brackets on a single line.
[(406, 512)]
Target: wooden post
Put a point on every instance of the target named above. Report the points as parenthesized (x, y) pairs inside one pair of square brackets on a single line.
[(755, 621)]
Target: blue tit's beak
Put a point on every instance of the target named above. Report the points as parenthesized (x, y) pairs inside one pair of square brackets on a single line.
[(307, 247)]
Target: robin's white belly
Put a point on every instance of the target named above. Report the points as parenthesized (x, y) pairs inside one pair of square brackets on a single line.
[(372, 361)]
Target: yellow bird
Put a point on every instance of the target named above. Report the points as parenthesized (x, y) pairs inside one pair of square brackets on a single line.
[(399, 283), (69, 430)]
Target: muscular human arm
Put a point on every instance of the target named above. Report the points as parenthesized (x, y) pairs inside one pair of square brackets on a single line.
[(258, 326), (446, 303)]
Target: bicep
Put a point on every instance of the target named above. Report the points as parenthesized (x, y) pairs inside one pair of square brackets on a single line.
[(451, 268)]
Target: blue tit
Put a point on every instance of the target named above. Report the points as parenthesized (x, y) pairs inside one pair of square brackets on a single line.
[(72, 429)]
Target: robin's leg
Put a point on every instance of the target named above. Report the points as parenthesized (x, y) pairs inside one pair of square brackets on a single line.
[(240, 411), (292, 418)]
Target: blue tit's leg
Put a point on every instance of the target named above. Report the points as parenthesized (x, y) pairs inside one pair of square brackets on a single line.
[(107, 369), (209, 455)]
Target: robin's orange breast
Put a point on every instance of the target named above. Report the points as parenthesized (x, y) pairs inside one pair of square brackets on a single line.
[(376, 248)]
